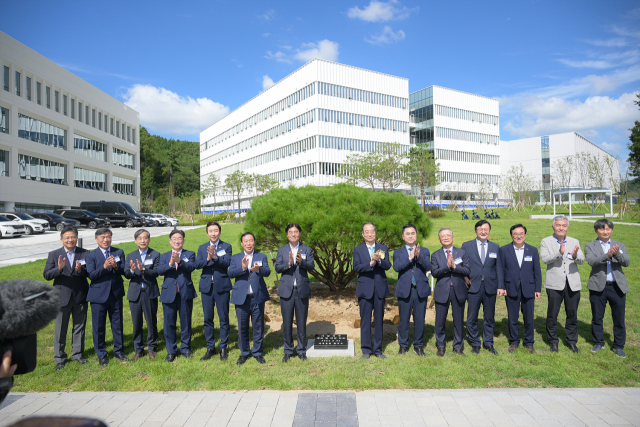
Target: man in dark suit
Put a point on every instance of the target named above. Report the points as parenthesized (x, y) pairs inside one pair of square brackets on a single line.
[(249, 294), (214, 258), (177, 295), (412, 263), (67, 268), (371, 261), (141, 267), (293, 261), (520, 281), (105, 266), (607, 283), (483, 286), (449, 266)]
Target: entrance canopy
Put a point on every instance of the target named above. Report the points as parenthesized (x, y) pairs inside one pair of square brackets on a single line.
[(571, 191)]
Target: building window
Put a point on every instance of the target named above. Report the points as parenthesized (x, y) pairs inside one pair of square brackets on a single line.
[(35, 169), (39, 93), (4, 124), (124, 159), (546, 163), (29, 88), (91, 180), (133, 136), (93, 118), (17, 83), (30, 207), (123, 125), (80, 111), (100, 121), (57, 101), (124, 186), (86, 114), (111, 128), (117, 129), (89, 148), (48, 97), (73, 108), (6, 78), (64, 104), (105, 123), (129, 133), (41, 132), (4, 163)]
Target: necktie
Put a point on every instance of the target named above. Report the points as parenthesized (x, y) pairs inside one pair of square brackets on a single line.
[(176, 262), (371, 249), (482, 253), (106, 254), (449, 253), (413, 277)]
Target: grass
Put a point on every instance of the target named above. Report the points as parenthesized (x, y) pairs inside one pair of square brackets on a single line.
[(520, 369)]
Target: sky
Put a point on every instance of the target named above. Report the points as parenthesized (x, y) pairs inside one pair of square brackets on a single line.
[(555, 66)]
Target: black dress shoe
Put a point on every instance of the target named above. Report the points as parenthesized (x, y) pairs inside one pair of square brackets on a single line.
[(380, 356), (302, 356), (403, 350), (223, 354), (187, 355), (260, 360), (171, 357), (475, 349), (286, 358), (80, 360), (241, 360), (208, 354), (419, 351), (59, 366), (440, 352), (553, 348), (574, 348), (490, 349), (460, 352), (121, 356), (365, 355), (104, 361)]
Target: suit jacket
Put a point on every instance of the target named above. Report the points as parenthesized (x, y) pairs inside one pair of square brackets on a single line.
[(177, 278), (371, 278), (528, 277), (561, 267), (297, 272), (406, 269), (246, 278), (215, 270), (489, 270), (148, 276), (68, 281), (105, 281), (597, 259), (445, 276)]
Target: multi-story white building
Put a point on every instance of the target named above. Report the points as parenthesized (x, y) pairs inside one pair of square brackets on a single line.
[(539, 156), (463, 131), (62, 140), (300, 130)]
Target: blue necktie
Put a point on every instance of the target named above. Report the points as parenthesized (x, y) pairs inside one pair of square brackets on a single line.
[(482, 254)]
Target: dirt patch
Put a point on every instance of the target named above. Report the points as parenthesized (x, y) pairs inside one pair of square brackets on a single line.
[(335, 312)]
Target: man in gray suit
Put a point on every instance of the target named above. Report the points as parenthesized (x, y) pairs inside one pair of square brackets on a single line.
[(607, 283), (294, 260), (562, 255)]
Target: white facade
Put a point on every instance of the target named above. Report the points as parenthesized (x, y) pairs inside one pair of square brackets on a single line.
[(59, 133), (538, 156), (299, 130), (463, 130)]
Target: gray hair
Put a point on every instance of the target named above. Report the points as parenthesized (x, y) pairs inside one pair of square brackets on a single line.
[(560, 218), (444, 229), (367, 223), (139, 232)]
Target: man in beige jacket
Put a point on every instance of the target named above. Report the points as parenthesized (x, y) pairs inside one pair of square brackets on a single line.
[(562, 254)]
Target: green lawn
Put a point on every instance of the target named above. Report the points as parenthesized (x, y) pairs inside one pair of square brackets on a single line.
[(507, 370)]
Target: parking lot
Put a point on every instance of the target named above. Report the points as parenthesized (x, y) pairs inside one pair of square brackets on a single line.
[(34, 247)]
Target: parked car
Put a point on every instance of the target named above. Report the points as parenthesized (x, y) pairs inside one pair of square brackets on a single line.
[(164, 222), (56, 221), (9, 229), (148, 222), (172, 221), (155, 222), (119, 213), (32, 225), (85, 218)]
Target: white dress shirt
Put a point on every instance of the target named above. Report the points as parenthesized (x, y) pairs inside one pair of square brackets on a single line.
[(519, 254), (294, 251), (249, 290), (605, 249)]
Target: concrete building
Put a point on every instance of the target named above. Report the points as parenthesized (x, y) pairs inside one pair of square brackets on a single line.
[(300, 130), (463, 131), (62, 140)]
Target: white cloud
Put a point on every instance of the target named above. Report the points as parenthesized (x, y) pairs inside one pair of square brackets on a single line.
[(324, 49), (619, 42), (267, 82), (622, 31), (387, 36), (586, 64), (266, 34), (268, 16), (164, 111), (609, 60), (378, 11), (611, 147), (278, 56), (539, 116)]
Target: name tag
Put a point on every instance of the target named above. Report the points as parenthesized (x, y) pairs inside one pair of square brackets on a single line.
[(620, 251), (304, 256), (528, 258), (82, 262), (185, 259), (117, 258), (221, 253), (493, 255), (259, 263), (458, 260), (148, 261)]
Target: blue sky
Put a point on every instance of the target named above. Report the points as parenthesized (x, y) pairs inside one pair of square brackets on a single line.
[(556, 66)]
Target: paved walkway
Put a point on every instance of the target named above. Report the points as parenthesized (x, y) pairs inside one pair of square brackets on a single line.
[(484, 407)]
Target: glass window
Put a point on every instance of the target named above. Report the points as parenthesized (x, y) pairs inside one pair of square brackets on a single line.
[(64, 104), (106, 127), (39, 93), (4, 163), (57, 101), (100, 121), (86, 114), (46, 171), (117, 128), (4, 121), (89, 148), (6, 78), (29, 88), (41, 132), (73, 108), (133, 136), (17, 83), (123, 186), (90, 180), (111, 126), (80, 111), (93, 118), (123, 126), (129, 133), (124, 159)]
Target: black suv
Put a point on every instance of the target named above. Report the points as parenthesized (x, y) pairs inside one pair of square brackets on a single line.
[(86, 218), (56, 221), (119, 213)]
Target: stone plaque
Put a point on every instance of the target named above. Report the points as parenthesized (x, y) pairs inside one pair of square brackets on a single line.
[(331, 342)]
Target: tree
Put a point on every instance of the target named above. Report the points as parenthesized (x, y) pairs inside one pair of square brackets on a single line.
[(361, 169), (331, 219), (390, 172), (236, 183), (422, 171), (562, 172), (518, 186), (211, 188), (634, 145), (484, 193), (266, 184)]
